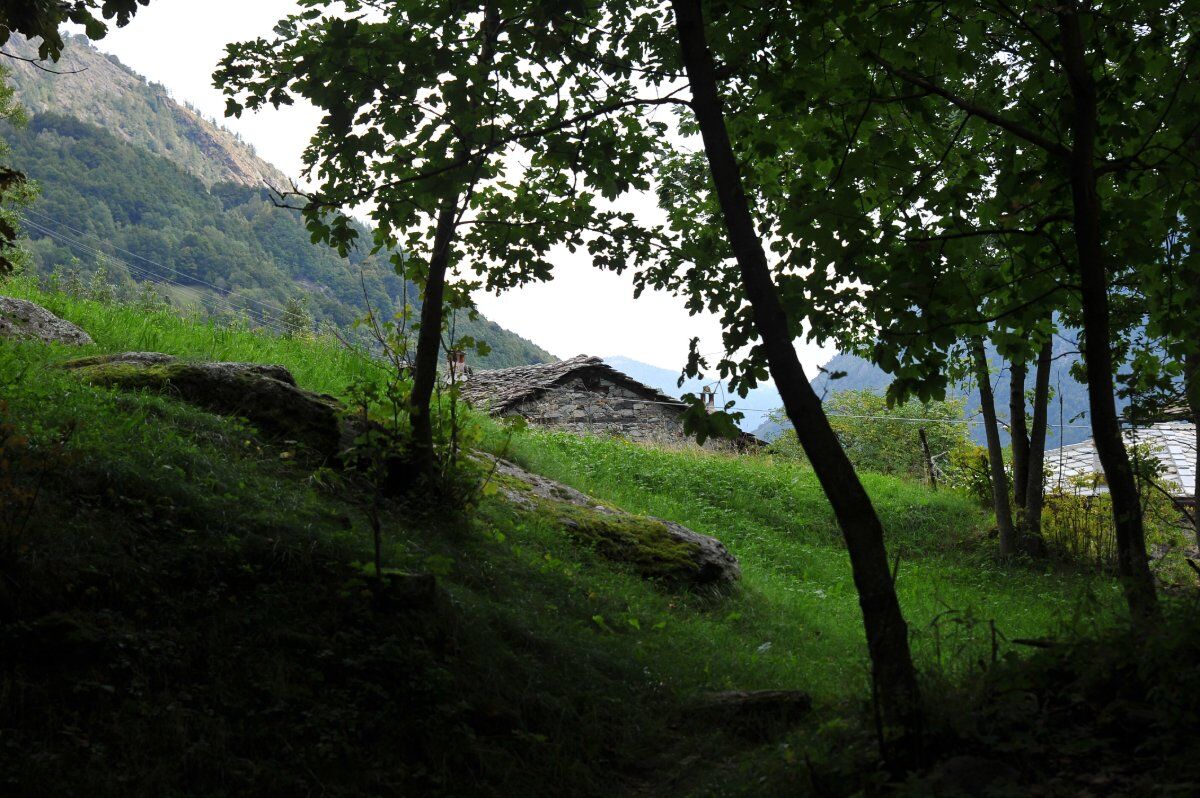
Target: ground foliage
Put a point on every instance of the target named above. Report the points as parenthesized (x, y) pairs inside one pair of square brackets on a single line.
[(192, 608)]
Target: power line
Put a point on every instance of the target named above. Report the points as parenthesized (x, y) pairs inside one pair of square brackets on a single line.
[(274, 309), (865, 417), (214, 303), (217, 302)]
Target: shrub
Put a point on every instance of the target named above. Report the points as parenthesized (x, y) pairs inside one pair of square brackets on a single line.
[(1078, 525), (886, 440)]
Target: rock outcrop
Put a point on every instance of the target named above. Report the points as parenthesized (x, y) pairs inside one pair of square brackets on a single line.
[(651, 546), (267, 396), (22, 319)]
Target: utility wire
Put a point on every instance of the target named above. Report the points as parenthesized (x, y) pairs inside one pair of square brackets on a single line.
[(270, 307), (912, 419), (218, 302), (211, 303)]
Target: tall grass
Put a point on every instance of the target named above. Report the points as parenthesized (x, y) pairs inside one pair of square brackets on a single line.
[(795, 621), (321, 364)]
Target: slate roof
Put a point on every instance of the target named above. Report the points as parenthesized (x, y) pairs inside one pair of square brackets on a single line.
[(1173, 442), (500, 390)]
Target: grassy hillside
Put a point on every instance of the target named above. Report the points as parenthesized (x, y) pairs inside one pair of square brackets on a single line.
[(798, 594), (188, 605)]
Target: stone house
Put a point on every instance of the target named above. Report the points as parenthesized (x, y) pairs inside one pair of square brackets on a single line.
[(583, 395)]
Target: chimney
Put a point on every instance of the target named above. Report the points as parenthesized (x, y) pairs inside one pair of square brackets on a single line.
[(456, 359), (709, 398)]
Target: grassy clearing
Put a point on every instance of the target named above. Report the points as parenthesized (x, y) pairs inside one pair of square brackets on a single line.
[(798, 595), (201, 593)]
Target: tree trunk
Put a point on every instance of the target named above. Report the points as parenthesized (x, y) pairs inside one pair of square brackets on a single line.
[(1035, 489), (893, 675), (991, 427), (1132, 564), (1018, 433), (429, 337), (928, 458), (1192, 387)]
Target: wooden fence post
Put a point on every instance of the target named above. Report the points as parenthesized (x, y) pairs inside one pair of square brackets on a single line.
[(928, 458)]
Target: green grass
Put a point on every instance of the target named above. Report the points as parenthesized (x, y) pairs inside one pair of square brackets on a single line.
[(323, 365), (797, 594), (217, 577)]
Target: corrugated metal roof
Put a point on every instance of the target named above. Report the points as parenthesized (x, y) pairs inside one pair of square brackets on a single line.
[(1075, 467)]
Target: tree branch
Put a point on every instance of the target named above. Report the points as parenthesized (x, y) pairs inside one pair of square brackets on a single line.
[(1038, 229), (974, 109), (37, 62)]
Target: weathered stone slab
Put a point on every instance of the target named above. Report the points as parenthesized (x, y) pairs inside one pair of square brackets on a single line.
[(21, 319), (265, 395), (652, 546)]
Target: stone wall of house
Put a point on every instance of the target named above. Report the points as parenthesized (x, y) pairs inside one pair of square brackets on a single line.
[(595, 406)]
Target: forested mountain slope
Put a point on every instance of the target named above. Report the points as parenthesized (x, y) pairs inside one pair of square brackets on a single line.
[(146, 189)]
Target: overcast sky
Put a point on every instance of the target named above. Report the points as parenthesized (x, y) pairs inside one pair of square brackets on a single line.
[(582, 311)]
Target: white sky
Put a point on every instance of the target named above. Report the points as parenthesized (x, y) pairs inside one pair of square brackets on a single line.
[(582, 311)]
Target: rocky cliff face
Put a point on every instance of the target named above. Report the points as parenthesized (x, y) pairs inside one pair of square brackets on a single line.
[(99, 89)]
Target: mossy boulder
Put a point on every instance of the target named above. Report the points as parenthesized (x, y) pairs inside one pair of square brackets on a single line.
[(21, 319), (653, 547), (265, 395)]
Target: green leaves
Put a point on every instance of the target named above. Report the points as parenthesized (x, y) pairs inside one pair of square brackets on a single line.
[(42, 20), (525, 113), (702, 425)]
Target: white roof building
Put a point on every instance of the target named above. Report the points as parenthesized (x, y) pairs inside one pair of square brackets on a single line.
[(1076, 468)]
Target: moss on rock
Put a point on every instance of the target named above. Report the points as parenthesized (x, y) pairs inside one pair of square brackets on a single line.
[(645, 544), (267, 396), (654, 548)]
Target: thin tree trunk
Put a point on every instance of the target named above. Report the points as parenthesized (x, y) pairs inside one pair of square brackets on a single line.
[(1192, 387), (928, 458), (1132, 564), (1035, 489), (991, 427), (1018, 433), (429, 337), (887, 634)]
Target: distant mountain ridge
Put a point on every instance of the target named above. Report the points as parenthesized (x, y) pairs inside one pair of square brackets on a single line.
[(1068, 411), (148, 190)]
